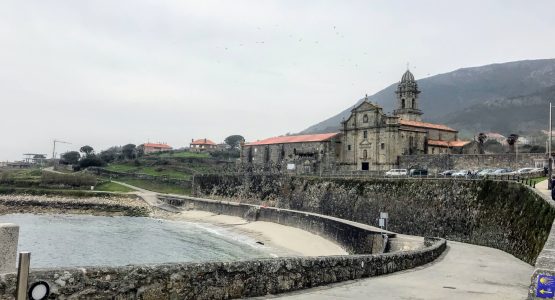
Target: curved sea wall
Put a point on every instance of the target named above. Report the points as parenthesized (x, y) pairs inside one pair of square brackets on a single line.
[(220, 280), (499, 214), (354, 237)]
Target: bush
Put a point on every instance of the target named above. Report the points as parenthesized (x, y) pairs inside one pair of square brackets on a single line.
[(91, 161)]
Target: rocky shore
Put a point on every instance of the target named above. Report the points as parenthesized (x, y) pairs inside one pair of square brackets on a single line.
[(99, 205)]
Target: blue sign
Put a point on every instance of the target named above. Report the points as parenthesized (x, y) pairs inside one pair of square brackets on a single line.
[(546, 286)]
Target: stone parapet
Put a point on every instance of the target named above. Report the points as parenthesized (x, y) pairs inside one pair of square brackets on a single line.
[(220, 280), (9, 235)]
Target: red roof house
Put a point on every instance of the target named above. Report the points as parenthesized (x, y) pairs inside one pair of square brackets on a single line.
[(202, 145), (153, 147)]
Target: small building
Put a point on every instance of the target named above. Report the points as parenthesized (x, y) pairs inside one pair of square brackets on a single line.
[(152, 147), (297, 153), (201, 145)]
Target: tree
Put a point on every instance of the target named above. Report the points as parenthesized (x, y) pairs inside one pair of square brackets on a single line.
[(88, 150), (70, 158), (129, 151), (234, 141), (111, 154), (481, 138), (91, 161), (511, 140)]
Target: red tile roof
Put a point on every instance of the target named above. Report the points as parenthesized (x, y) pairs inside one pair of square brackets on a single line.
[(295, 139), (426, 125), (153, 145), (202, 142), (447, 144)]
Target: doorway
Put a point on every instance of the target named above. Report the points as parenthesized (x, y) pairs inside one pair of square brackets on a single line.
[(365, 166)]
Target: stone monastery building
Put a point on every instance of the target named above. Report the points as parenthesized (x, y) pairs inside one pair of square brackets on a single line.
[(368, 140)]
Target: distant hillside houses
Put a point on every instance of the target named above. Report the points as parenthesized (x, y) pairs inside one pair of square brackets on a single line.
[(156, 147), (368, 139), (202, 145)]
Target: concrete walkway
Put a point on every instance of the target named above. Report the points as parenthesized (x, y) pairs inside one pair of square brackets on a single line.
[(464, 271), (149, 197), (542, 188)]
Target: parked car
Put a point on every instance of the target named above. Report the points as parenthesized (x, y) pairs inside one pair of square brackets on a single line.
[(485, 172), (447, 173), (418, 173), (502, 172), (396, 172), (524, 170), (460, 173)]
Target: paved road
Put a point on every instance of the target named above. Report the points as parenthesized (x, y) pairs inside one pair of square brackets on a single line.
[(542, 188), (464, 271), (149, 197)]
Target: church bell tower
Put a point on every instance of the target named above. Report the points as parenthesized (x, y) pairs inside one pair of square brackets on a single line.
[(407, 99)]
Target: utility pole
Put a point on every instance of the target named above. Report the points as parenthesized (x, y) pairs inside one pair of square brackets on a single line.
[(550, 158), (54, 148)]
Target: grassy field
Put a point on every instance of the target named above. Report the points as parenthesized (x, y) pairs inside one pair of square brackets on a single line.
[(109, 186), (538, 179), (183, 154), (159, 187), (153, 171)]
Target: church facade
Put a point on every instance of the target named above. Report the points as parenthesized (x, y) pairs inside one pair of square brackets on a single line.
[(369, 140)]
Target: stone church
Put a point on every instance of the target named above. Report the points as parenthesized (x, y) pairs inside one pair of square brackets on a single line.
[(368, 140)]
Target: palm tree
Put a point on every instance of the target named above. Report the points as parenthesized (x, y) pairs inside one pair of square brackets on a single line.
[(511, 140), (482, 137)]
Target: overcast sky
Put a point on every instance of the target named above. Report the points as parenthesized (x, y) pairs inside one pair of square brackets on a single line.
[(112, 72)]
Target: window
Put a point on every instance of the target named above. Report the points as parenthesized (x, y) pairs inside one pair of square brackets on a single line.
[(382, 146), (365, 154), (349, 147), (433, 150), (413, 103), (365, 119), (365, 133), (402, 103)]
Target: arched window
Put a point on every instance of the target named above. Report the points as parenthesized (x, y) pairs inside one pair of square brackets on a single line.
[(365, 154), (402, 103), (365, 119)]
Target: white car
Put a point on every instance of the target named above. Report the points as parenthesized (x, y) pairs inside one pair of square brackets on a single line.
[(460, 173), (396, 172), (524, 170)]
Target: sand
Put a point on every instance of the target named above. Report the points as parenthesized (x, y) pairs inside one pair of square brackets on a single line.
[(283, 240)]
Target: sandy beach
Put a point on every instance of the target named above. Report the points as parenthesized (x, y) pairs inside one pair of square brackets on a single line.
[(283, 240)]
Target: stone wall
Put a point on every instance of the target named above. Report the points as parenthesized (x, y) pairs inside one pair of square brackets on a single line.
[(353, 237), (440, 162), (504, 215), (219, 280), (114, 174)]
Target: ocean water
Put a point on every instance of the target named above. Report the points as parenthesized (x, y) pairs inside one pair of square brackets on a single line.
[(82, 240)]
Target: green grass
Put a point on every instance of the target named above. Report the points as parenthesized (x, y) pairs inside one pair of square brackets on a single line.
[(109, 186), (537, 179), (159, 187), (122, 168), (184, 154), (153, 171)]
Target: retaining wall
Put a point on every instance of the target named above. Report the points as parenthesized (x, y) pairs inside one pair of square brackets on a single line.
[(113, 174), (504, 215), (353, 237), (220, 280), (441, 162)]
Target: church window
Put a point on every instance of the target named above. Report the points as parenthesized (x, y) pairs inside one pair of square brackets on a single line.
[(349, 147), (382, 146), (413, 103), (365, 154), (365, 119), (402, 103), (365, 133)]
